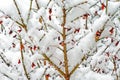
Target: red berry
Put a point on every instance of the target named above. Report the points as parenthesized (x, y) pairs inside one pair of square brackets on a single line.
[(77, 30), (98, 33), (33, 65), (116, 44), (10, 32), (13, 45), (112, 40), (59, 38), (107, 54), (19, 61), (47, 76), (19, 30), (1, 21), (115, 57), (35, 47), (85, 16), (50, 10), (102, 6), (49, 17), (111, 30), (14, 36)]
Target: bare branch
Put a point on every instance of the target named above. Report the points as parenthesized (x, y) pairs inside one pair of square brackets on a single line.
[(22, 57), (54, 65), (77, 65), (30, 8), (21, 18)]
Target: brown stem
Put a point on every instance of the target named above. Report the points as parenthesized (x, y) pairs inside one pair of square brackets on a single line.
[(22, 20), (115, 69), (54, 65), (65, 46), (22, 57), (106, 6), (77, 65), (30, 8), (42, 20), (2, 56), (38, 7), (86, 25)]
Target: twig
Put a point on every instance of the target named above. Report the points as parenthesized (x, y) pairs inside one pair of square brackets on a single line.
[(54, 65), (65, 45), (76, 5), (54, 29), (30, 8), (7, 76), (43, 73), (2, 57), (22, 57), (49, 2), (45, 25), (38, 7), (106, 6), (12, 19), (21, 18), (77, 65), (115, 69), (86, 25)]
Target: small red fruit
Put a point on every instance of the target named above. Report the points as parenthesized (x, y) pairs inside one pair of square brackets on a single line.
[(103, 6), (19, 61), (116, 44), (33, 65), (1, 21), (77, 30), (50, 10), (111, 30), (49, 17)]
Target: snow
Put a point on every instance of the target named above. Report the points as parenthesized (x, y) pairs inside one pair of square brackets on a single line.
[(9, 10), (43, 3), (5, 70), (97, 76), (45, 35), (99, 23), (113, 6)]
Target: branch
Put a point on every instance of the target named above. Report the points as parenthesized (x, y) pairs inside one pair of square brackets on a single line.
[(77, 65), (43, 73), (38, 7), (7, 76), (65, 45), (70, 8), (21, 18), (54, 65), (115, 69), (22, 56), (49, 2), (20, 24), (106, 7), (30, 8), (54, 29), (4, 60)]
